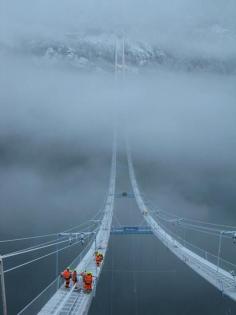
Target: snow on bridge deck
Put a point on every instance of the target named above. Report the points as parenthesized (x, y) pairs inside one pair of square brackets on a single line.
[(71, 301), (218, 277)]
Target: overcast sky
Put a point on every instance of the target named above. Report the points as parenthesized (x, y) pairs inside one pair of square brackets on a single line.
[(56, 122), (196, 25), (186, 119)]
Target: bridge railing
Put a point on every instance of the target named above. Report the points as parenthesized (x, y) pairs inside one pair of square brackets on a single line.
[(78, 259), (41, 299), (218, 262)]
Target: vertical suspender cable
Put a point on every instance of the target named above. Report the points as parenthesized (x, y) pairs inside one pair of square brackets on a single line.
[(116, 57), (95, 253), (112, 278), (57, 262), (4, 300)]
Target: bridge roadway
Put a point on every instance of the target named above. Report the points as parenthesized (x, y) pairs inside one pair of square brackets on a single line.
[(218, 277), (71, 301)]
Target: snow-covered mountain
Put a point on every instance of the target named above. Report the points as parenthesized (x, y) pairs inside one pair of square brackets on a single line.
[(97, 52)]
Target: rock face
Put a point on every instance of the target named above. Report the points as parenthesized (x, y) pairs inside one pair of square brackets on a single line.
[(97, 52)]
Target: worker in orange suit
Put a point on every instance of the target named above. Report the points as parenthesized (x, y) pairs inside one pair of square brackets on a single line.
[(97, 259), (74, 277), (66, 274), (88, 281)]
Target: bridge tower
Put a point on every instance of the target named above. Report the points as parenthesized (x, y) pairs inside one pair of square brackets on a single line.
[(120, 56)]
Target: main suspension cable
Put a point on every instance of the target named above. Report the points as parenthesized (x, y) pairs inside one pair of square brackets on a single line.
[(99, 212), (28, 250), (184, 225), (41, 257), (167, 213)]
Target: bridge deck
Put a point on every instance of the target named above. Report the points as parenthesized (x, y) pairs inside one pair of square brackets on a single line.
[(72, 301), (75, 301), (220, 278)]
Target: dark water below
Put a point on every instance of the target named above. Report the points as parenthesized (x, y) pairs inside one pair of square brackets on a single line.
[(140, 275)]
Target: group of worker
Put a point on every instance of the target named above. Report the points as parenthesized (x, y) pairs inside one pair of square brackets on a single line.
[(68, 275), (87, 277), (71, 275)]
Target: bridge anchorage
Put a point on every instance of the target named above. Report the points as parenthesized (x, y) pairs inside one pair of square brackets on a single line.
[(94, 236)]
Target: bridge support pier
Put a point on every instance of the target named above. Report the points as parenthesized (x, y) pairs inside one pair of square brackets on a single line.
[(4, 300)]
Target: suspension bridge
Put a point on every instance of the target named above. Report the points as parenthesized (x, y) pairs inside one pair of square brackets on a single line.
[(94, 236)]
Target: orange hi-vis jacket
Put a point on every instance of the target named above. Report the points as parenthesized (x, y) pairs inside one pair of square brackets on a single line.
[(88, 279), (66, 274)]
